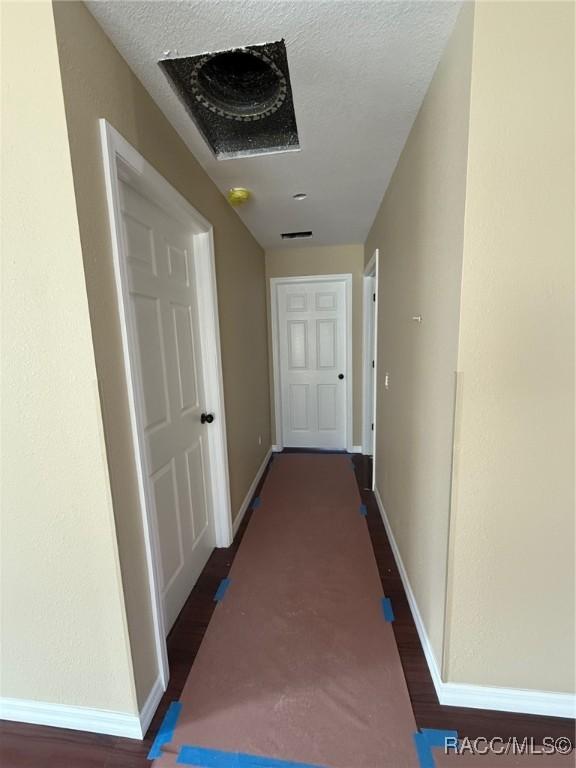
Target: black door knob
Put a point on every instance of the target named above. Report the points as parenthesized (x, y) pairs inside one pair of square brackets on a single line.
[(340, 375), (206, 418)]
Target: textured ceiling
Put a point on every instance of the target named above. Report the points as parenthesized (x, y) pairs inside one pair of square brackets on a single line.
[(359, 72)]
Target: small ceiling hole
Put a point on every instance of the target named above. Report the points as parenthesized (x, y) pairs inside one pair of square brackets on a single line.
[(300, 196), (296, 235)]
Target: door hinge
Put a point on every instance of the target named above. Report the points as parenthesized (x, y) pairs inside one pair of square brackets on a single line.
[(373, 297), (372, 426), (372, 363)]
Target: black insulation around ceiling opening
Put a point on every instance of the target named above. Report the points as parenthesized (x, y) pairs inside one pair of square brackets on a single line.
[(240, 99)]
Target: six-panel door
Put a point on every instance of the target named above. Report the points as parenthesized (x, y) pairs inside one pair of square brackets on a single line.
[(160, 270), (312, 361)]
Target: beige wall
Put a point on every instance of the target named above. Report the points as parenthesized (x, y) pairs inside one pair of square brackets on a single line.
[(64, 628), (325, 260), (98, 83), (64, 637), (476, 234), (419, 231), (511, 619)]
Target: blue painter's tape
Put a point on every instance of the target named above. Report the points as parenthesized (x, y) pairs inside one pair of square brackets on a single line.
[(166, 731), (437, 738), (257, 502), (387, 609), (221, 591), (423, 751), (427, 739), (363, 510), (215, 758)]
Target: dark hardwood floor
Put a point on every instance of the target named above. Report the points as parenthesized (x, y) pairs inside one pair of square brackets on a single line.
[(30, 746), (33, 746), (427, 711)]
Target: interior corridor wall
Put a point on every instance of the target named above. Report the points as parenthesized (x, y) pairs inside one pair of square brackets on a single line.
[(97, 83), (419, 232), (324, 260), (476, 235), (63, 627), (512, 602)]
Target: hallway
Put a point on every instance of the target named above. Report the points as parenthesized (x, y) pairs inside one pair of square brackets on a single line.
[(288, 320), (315, 677), (29, 746), (312, 653)]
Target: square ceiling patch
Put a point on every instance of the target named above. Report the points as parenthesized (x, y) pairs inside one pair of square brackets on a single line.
[(240, 99)]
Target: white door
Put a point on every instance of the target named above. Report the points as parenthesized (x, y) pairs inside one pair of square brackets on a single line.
[(167, 361), (312, 351), (370, 363)]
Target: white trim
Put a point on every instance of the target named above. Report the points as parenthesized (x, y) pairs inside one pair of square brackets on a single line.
[(367, 357), (426, 647), (279, 446), (370, 337), (526, 702), (376, 259), (349, 366), (121, 160), (530, 702), (354, 449), (244, 506), (150, 706), (209, 325), (274, 282), (372, 266), (77, 718)]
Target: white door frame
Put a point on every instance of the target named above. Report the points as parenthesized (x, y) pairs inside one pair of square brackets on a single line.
[(370, 339), (274, 283), (123, 162)]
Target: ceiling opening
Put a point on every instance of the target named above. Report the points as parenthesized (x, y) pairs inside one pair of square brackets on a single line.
[(296, 235), (240, 99)]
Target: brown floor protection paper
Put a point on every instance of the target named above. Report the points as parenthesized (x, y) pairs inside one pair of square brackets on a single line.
[(298, 662)]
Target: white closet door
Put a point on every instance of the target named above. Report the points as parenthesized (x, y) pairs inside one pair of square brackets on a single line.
[(163, 303), (312, 320)]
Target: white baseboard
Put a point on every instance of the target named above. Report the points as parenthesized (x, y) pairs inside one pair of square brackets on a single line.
[(476, 696), (526, 702), (84, 718), (150, 706), (244, 506), (426, 646), (77, 718), (353, 449)]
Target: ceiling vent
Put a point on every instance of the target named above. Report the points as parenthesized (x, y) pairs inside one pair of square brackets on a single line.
[(240, 100), (296, 235)]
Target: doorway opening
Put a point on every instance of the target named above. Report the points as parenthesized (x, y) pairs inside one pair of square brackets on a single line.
[(369, 360)]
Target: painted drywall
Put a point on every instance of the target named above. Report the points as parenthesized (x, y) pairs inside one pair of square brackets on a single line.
[(97, 83), (419, 233), (64, 635), (511, 607), (325, 260)]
